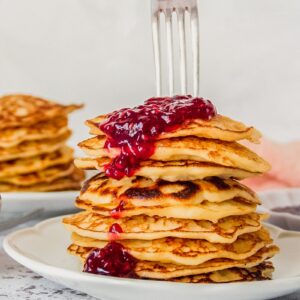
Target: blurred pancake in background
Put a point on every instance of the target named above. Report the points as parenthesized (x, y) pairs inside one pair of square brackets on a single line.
[(43, 130), (24, 110), (33, 151)]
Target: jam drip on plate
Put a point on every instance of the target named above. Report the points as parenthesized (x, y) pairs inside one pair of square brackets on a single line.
[(114, 231), (133, 130), (113, 260)]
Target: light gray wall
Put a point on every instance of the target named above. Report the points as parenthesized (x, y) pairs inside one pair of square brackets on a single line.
[(100, 52)]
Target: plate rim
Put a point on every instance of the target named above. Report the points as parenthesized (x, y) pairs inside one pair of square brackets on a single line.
[(48, 201), (16, 196), (30, 263)]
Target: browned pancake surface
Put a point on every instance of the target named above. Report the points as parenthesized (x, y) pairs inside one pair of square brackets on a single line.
[(172, 170), (50, 129), (140, 191), (33, 148), (230, 154), (144, 227), (22, 110), (70, 182), (220, 127), (167, 271), (45, 175), (209, 211), (36, 163), (186, 251), (260, 272)]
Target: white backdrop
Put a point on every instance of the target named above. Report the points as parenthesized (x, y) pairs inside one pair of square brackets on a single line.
[(100, 52)]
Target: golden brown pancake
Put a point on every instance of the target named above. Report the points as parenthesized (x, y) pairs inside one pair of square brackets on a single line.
[(220, 128), (263, 271), (45, 175), (71, 182), (166, 271), (33, 148), (171, 171), (189, 252), (23, 110), (229, 154), (36, 163), (50, 129), (227, 230), (140, 191), (209, 211)]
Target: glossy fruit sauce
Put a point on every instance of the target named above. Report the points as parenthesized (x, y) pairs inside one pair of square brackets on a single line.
[(113, 260), (134, 130), (114, 232), (116, 213)]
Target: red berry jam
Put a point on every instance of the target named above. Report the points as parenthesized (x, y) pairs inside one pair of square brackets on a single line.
[(116, 213), (114, 231), (113, 260), (133, 130)]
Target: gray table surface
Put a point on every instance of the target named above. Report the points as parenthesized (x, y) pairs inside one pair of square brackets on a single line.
[(19, 283)]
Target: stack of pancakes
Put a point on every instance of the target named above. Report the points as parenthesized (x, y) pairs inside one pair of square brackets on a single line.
[(184, 216), (33, 152)]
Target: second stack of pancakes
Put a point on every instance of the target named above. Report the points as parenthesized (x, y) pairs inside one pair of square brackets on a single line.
[(34, 156), (183, 215)]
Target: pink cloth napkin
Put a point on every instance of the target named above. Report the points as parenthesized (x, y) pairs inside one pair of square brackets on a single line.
[(285, 162)]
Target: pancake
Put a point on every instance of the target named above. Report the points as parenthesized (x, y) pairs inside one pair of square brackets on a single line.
[(220, 128), (140, 191), (24, 110), (229, 154), (168, 271), (11, 137), (170, 207), (263, 271), (33, 148), (71, 182), (205, 211), (36, 163), (185, 251), (171, 171), (143, 227), (154, 270), (46, 175)]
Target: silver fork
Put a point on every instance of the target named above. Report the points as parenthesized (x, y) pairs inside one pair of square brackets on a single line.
[(181, 12)]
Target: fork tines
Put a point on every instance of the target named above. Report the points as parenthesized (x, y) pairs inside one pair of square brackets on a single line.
[(183, 16)]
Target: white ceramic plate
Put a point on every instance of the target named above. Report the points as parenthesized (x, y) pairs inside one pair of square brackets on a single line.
[(43, 250), (282, 198), (53, 202)]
